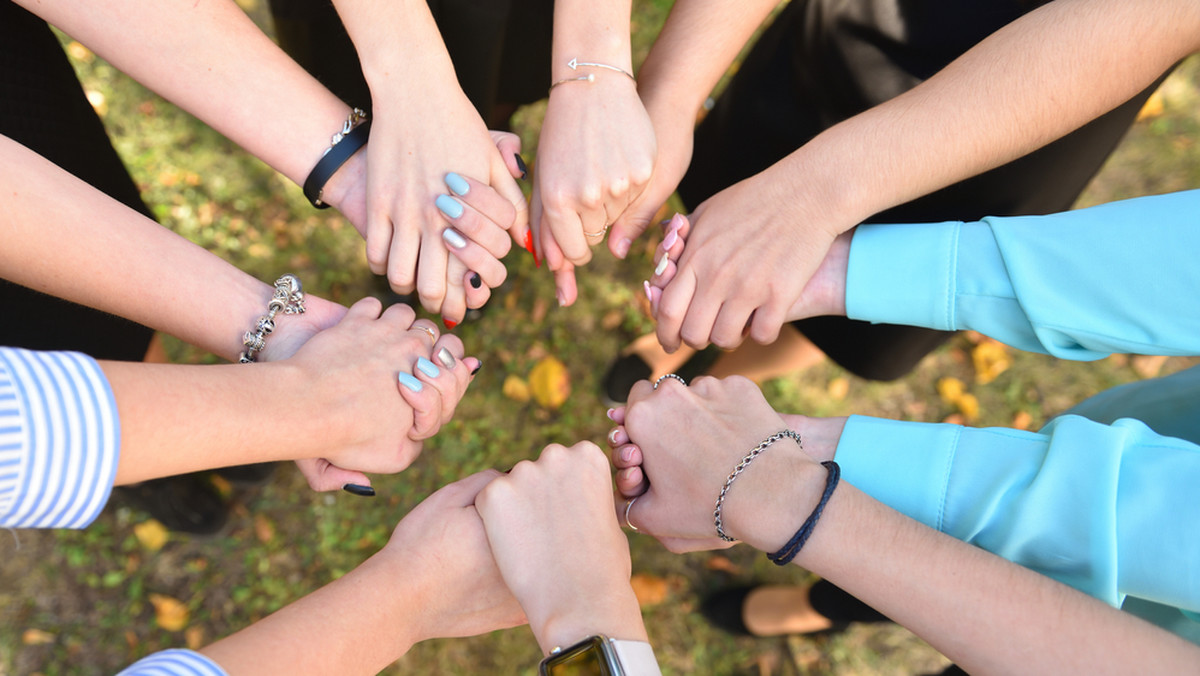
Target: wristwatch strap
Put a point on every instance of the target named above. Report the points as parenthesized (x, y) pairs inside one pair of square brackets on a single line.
[(637, 657)]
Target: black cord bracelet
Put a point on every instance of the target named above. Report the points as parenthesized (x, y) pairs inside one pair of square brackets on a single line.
[(333, 160), (789, 551)]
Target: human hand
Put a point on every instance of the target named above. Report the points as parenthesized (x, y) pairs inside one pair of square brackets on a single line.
[(751, 251), (676, 446), (443, 543), (552, 520), (824, 294), (352, 366), (595, 156)]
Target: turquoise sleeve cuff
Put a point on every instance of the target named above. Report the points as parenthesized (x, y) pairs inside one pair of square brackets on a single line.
[(903, 274)]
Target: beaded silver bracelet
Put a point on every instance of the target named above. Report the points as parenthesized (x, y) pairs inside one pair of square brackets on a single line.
[(741, 467), (287, 298)]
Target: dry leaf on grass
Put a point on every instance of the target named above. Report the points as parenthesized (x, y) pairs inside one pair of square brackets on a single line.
[(151, 534), (170, 613), (550, 383), (516, 389), (649, 589)]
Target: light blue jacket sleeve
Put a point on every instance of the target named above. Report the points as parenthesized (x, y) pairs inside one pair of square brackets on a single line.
[(1120, 277), (1108, 509), (59, 439)]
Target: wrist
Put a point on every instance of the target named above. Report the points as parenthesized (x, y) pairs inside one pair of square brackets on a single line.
[(613, 614)]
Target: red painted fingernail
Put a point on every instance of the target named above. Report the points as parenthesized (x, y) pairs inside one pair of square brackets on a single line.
[(449, 324), (530, 249)]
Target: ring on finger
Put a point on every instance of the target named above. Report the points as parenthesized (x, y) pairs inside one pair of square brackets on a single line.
[(426, 329), (669, 375), (602, 232), (628, 506)]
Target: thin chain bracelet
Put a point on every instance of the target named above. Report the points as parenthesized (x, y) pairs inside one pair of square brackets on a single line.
[(288, 298), (741, 467)]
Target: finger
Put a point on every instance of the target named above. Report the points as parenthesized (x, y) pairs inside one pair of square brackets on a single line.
[(477, 292), (565, 288), (617, 436), (483, 214), (452, 381), (454, 305), (626, 455), (664, 271), (567, 229), (431, 274), (631, 482), (673, 309), (728, 330), (323, 475), (379, 239), (365, 308), (421, 390), (425, 329), (462, 493), (401, 258), (767, 321), (514, 165), (629, 226), (509, 146), (617, 415), (475, 257)]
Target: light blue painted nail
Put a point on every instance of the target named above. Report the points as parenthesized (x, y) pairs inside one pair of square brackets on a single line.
[(428, 368), (458, 184), (449, 206), (407, 380)]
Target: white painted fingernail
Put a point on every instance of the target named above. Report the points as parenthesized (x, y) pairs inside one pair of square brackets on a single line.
[(662, 264), (453, 238)]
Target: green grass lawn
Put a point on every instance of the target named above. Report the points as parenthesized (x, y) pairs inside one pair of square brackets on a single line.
[(79, 602)]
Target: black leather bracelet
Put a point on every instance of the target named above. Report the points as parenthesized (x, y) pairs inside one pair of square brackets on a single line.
[(333, 160)]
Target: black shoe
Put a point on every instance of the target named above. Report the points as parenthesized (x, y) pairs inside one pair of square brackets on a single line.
[(185, 504), (724, 609), (628, 369)]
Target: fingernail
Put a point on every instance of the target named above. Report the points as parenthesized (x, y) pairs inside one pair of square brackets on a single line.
[(449, 206), (646, 288), (530, 249), (627, 453), (475, 280), (449, 324), (453, 238), (428, 368), (612, 438), (562, 299), (623, 247), (477, 367), (458, 184), (662, 264), (359, 490), (676, 222), (447, 359), (609, 413), (670, 239), (409, 381), (521, 165)]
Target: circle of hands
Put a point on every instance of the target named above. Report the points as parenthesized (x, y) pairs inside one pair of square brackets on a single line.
[(726, 273)]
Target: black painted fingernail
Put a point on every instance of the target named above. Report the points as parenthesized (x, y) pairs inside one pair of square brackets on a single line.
[(521, 165), (476, 369), (475, 280), (359, 490)]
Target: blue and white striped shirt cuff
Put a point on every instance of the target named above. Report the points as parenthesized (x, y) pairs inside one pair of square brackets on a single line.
[(59, 439), (174, 662)]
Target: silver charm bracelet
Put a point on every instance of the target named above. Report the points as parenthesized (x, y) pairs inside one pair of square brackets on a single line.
[(741, 467), (287, 298)]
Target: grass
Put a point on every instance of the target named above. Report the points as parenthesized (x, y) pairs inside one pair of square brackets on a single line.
[(79, 602)]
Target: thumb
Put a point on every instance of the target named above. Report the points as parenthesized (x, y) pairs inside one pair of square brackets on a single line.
[(630, 225), (323, 475), (367, 308)]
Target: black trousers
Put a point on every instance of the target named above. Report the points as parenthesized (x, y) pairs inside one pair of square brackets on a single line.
[(822, 61), (43, 107)]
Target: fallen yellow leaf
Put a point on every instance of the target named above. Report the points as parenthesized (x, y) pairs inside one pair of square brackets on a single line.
[(990, 358), (838, 388), (194, 638), (1022, 420), (549, 382), (152, 534), (36, 637), (723, 564), (516, 389), (649, 589), (170, 613), (950, 389), (264, 530), (969, 406)]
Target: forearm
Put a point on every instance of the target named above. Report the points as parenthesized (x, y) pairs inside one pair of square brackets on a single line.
[(64, 238), (693, 50), (357, 624), (1031, 82), (596, 32), (210, 59), (390, 64), (988, 615)]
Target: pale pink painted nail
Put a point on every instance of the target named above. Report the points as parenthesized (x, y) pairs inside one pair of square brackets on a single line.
[(676, 222), (669, 240), (646, 288), (610, 413)]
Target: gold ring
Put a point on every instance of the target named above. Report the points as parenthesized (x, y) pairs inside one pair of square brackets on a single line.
[(426, 329), (597, 234)]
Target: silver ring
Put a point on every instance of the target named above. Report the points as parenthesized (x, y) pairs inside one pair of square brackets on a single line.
[(597, 234), (628, 506), (426, 329), (669, 375)]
